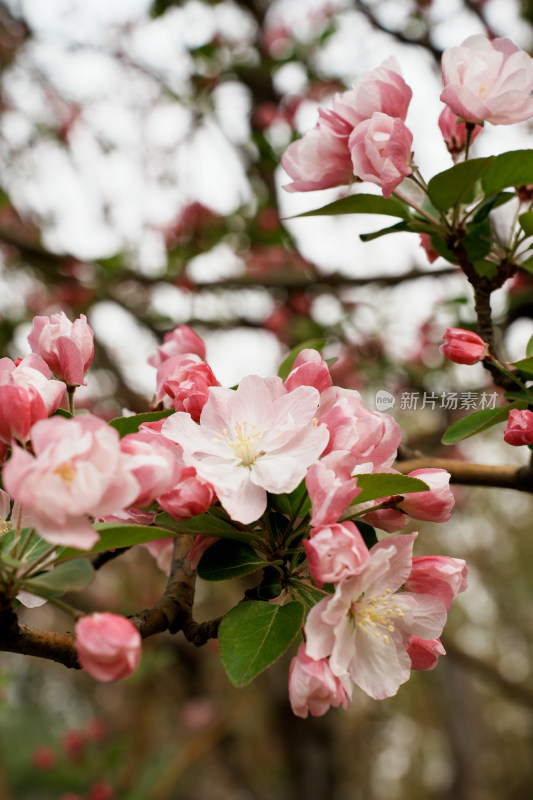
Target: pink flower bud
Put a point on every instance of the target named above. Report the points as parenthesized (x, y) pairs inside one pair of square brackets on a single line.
[(67, 347), (453, 132), (313, 688), (331, 487), (335, 552), (309, 369), (463, 347), (434, 505), (519, 428), (381, 151), (386, 519), (440, 576), (73, 744), (108, 646), (426, 245), (489, 81), (182, 340), (190, 496), (26, 395), (424, 653), (153, 465)]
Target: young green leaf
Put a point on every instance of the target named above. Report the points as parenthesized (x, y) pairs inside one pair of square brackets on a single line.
[(377, 485), (208, 524), (113, 535), (514, 168), (457, 184), (125, 425), (69, 576), (525, 365), (478, 421), (526, 222), (227, 559), (361, 204), (255, 634)]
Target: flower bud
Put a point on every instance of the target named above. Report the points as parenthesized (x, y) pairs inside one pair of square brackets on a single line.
[(519, 428), (67, 347), (463, 347), (108, 646)]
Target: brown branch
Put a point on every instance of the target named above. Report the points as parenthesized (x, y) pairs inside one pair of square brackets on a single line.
[(469, 474)]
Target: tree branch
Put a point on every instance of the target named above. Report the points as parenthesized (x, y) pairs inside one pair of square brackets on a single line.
[(470, 474)]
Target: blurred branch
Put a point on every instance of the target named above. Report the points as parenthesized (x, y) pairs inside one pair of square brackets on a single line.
[(470, 474), (422, 41)]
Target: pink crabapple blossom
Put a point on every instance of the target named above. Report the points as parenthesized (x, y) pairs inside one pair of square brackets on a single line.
[(78, 471), (334, 552), (434, 505), (67, 347), (178, 342), (313, 688), (424, 653), (463, 347), (108, 646), (364, 628), (454, 133), (331, 487), (381, 151), (441, 576), (27, 394), (488, 81), (256, 439), (519, 430), (321, 158), (309, 369), (183, 383)]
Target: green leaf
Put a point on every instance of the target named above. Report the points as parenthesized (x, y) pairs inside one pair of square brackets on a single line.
[(526, 222), (377, 485), (114, 535), (478, 240), (478, 421), (524, 365), (208, 524), (492, 202), (361, 204), (70, 576), (255, 634), (529, 347), (398, 228), (291, 503), (514, 168), (227, 559), (457, 184), (125, 425), (287, 363), (440, 247)]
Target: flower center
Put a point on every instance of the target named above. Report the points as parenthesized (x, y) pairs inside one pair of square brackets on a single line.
[(4, 526), (66, 471), (245, 443), (376, 615)]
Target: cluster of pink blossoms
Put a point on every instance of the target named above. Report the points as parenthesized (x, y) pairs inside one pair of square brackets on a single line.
[(364, 134), (235, 448)]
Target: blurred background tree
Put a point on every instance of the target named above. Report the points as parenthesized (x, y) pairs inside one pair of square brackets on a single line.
[(140, 145)]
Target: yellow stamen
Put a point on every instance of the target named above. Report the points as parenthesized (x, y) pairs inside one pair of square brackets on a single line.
[(66, 471)]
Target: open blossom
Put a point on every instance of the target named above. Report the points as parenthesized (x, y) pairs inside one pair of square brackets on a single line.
[(519, 428), (488, 81), (321, 158), (364, 628), (442, 576), (78, 471), (256, 439), (370, 436), (334, 552), (381, 151), (26, 395), (108, 646), (181, 341), (313, 688), (463, 347), (67, 347)]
